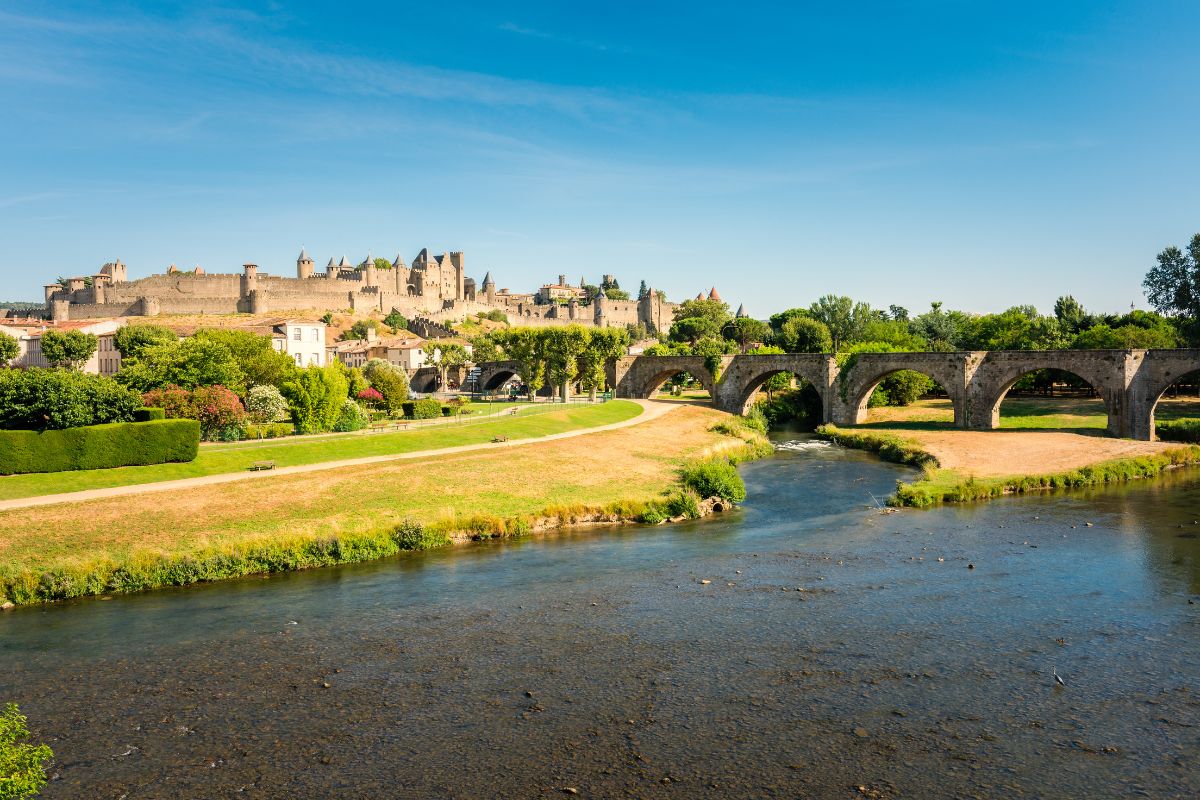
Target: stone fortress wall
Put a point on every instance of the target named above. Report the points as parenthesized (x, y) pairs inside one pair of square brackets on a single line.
[(435, 287)]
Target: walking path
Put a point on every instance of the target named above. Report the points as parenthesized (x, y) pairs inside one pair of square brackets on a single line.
[(651, 410)]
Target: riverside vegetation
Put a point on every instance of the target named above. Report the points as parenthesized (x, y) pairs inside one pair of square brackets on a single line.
[(939, 486), (645, 486)]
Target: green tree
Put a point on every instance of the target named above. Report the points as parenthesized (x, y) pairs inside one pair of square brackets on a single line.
[(563, 348), (131, 340), (613, 293), (1173, 285), (261, 364), (382, 263), (526, 346), (715, 311), (837, 314), (316, 396), (22, 765), (396, 321), (898, 313), (746, 331), (1018, 328), (445, 356), (803, 334), (189, 363), (1070, 315), (70, 349), (10, 348), (642, 290), (390, 381), (942, 330), (693, 329), (603, 345), (484, 348), (359, 330)]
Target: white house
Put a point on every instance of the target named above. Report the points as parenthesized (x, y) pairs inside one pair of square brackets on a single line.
[(302, 339), (28, 333)]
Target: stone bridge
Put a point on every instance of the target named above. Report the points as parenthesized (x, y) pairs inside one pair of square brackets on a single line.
[(1129, 382)]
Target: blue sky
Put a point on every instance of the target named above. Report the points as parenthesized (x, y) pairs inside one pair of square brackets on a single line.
[(981, 154)]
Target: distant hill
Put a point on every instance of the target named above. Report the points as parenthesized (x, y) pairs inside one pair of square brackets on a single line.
[(21, 305)]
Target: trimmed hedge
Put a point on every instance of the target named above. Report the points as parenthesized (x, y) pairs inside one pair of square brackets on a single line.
[(119, 444), (148, 414)]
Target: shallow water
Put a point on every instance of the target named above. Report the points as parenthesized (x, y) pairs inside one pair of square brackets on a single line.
[(600, 661)]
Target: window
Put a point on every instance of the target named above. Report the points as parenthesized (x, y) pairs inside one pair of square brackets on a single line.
[(316, 334), (296, 334), (312, 359), (299, 360)]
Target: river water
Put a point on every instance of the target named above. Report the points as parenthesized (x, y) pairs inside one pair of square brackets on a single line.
[(835, 651)]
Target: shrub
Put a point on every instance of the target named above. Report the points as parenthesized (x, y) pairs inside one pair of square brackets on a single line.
[(352, 418), (99, 446), (714, 478), (22, 765), (370, 397), (147, 414), (684, 504), (1179, 430), (51, 399), (315, 396), (410, 535), (429, 408), (267, 430), (265, 404), (217, 409), (653, 514)]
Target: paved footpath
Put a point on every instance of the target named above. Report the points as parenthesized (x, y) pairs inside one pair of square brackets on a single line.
[(651, 410)]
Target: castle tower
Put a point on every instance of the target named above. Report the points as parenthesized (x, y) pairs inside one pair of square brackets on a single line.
[(460, 276), (741, 312), (331, 270), (600, 310), (489, 288), (369, 271), (249, 279), (650, 310), (304, 265)]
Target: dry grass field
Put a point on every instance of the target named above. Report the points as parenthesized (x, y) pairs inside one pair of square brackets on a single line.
[(627, 465)]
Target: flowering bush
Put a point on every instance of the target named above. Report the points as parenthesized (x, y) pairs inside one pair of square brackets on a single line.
[(218, 409), (266, 404), (352, 417), (371, 397)]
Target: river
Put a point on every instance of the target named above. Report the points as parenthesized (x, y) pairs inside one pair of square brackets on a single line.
[(806, 645)]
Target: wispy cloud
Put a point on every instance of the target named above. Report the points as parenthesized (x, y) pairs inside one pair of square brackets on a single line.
[(520, 30)]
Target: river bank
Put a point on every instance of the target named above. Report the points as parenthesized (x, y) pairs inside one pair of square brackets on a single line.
[(365, 511), (963, 466)]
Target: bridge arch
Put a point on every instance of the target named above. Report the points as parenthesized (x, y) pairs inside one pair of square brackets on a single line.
[(639, 377), (1157, 390), (1000, 371), (858, 379), (745, 374)]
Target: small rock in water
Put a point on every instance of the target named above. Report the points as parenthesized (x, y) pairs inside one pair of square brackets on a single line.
[(861, 733), (941, 560), (1088, 524), (970, 566), (570, 790), (705, 582)]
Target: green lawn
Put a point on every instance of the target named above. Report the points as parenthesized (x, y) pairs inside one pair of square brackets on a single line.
[(293, 451)]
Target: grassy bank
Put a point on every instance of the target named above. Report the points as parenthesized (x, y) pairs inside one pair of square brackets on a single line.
[(951, 486), (295, 451), (660, 469)]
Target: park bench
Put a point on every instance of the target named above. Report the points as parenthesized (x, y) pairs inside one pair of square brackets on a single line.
[(261, 465)]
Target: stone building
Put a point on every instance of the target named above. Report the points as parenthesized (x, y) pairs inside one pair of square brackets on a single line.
[(28, 333)]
